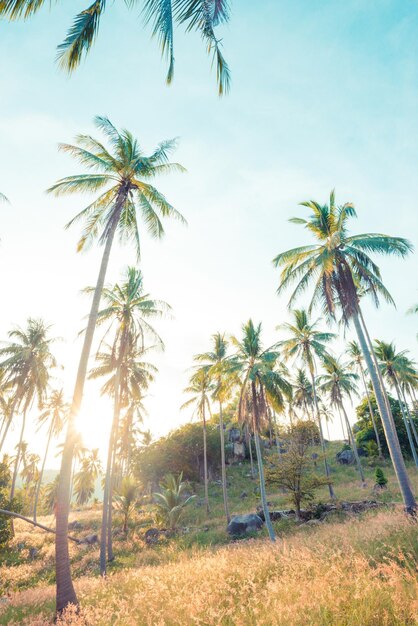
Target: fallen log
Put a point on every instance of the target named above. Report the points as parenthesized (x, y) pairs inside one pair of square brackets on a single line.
[(30, 521)]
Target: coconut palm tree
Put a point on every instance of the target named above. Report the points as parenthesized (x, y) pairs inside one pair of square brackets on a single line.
[(302, 392), (121, 173), (261, 385), (339, 266), (338, 383), (309, 344), (53, 416), (392, 363), (355, 355), (202, 16), (27, 364), (218, 365), (125, 499), (85, 479), (200, 388)]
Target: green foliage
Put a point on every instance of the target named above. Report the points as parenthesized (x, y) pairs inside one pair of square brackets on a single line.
[(381, 479), (365, 431), (5, 523), (180, 451), (170, 501), (126, 498)]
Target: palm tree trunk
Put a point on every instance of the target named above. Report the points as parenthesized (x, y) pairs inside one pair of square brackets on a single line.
[(353, 444), (250, 449), (410, 417), (65, 593), (17, 460), (342, 426), (205, 463), (9, 420), (276, 435), (224, 489), (390, 432), (379, 445), (260, 467), (38, 487), (110, 553), (108, 476), (405, 421), (321, 437)]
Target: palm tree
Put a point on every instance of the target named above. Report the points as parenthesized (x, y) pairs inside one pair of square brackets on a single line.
[(125, 499), (121, 173), (340, 267), (308, 343), (338, 382), (85, 479), (202, 16), (261, 385), (170, 501), (200, 387), (54, 415), (218, 365), (355, 354), (27, 371), (302, 392), (392, 364)]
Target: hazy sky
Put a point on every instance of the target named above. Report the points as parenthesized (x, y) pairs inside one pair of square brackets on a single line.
[(324, 95)]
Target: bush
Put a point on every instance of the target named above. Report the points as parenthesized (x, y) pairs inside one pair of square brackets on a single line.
[(381, 479)]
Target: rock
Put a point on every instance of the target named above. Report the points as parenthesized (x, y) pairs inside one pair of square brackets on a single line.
[(244, 495), (234, 435), (90, 540), (33, 553), (239, 451), (345, 457), (74, 525), (152, 536), (242, 524)]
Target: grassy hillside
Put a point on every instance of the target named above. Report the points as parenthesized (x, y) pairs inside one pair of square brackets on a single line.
[(346, 570)]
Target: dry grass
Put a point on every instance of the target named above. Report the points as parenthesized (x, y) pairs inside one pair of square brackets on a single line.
[(357, 573)]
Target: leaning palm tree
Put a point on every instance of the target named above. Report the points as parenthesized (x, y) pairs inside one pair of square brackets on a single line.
[(392, 365), (54, 416), (218, 365), (356, 363), (261, 385), (200, 388), (309, 344), (202, 16), (121, 173), (339, 266), (338, 383)]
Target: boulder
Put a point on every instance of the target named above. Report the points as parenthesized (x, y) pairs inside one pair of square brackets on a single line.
[(234, 435), (242, 524), (152, 536), (75, 525), (345, 457), (90, 540)]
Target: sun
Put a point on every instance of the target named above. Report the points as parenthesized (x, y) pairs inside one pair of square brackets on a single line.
[(94, 421)]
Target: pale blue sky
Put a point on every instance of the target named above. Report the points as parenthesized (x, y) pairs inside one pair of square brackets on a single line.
[(324, 95)]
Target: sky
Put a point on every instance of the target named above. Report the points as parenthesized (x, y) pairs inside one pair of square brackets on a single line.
[(324, 95)]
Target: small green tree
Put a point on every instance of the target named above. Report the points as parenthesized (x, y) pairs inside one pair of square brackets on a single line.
[(170, 501), (125, 499), (381, 479), (295, 472)]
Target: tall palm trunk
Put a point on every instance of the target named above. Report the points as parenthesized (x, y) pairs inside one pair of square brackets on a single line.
[(410, 417), (223, 469), (379, 445), (205, 462), (321, 437), (38, 487), (65, 590), (260, 466), (405, 420), (353, 443), (17, 459), (9, 420), (390, 432), (276, 435), (250, 449), (108, 476), (113, 483)]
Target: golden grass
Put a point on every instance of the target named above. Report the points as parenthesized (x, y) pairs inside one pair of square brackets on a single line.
[(358, 573)]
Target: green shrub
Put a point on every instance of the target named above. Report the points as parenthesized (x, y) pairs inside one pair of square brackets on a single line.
[(381, 479)]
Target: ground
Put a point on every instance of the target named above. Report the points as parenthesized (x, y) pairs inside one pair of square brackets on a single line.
[(345, 571)]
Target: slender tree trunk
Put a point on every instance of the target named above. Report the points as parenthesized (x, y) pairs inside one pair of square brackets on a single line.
[(260, 467), (379, 445), (276, 434), (18, 458), (110, 553), (108, 476), (410, 417), (65, 594), (342, 425), (321, 437), (205, 463), (390, 432), (224, 489), (250, 448), (9, 419), (353, 444), (405, 421), (38, 487)]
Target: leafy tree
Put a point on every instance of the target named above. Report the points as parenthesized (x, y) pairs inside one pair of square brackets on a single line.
[(202, 16), (49, 496), (170, 501), (121, 173), (85, 479), (341, 269), (295, 472), (381, 479), (125, 499)]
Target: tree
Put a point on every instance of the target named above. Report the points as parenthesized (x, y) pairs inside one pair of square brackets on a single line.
[(121, 173), (338, 382), (295, 472), (170, 501), (308, 343), (85, 479), (201, 386), (261, 385), (354, 353), (340, 267), (125, 500), (49, 495), (54, 416), (219, 368), (302, 392), (202, 16)]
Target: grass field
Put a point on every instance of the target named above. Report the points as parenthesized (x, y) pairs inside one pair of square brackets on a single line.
[(347, 571)]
